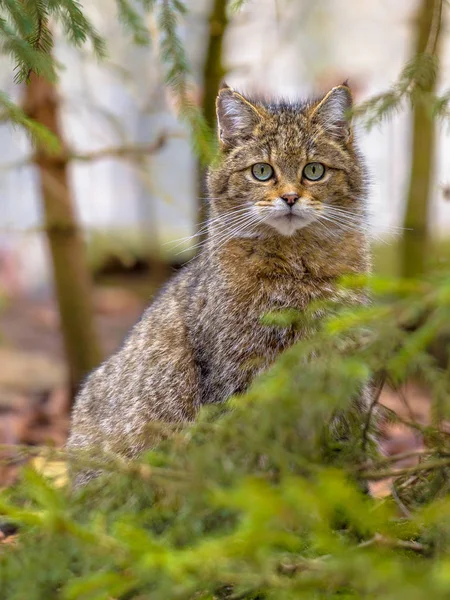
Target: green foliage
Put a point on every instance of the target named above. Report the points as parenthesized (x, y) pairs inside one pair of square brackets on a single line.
[(15, 115), (177, 68), (132, 19), (415, 80), (25, 35), (235, 5), (264, 497)]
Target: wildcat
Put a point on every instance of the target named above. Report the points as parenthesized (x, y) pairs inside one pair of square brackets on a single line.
[(287, 208)]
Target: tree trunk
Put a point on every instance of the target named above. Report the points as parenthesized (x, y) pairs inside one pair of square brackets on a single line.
[(415, 238), (213, 73), (70, 271)]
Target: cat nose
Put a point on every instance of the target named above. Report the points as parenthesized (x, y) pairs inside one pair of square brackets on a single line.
[(290, 198)]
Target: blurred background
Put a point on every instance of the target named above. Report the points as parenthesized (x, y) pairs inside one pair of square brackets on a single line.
[(134, 182)]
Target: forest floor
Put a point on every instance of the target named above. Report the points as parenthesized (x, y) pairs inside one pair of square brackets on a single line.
[(34, 399)]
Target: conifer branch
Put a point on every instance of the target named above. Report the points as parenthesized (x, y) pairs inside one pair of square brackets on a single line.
[(370, 413), (235, 5), (133, 21), (414, 83), (13, 114), (177, 71), (29, 41)]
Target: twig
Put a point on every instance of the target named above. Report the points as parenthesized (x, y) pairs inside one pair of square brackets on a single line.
[(313, 564), (373, 404), (123, 151), (412, 424), (120, 151), (425, 466), (396, 458), (435, 27), (406, 404), (402, 506), (381, 540)]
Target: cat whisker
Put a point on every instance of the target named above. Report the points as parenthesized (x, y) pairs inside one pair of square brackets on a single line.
[(237, 226), (348, 219), (361, 214), (344, 225), (234, 211), (231, 213), (329, 233), (346, 213), (221, 220), (352, 227), (343, 215), (225, 223), (347, 222), (179, 241), (240, 229), (221, 241), (223, 228), (360, 218)]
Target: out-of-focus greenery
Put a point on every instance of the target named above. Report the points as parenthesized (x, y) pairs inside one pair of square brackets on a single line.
[(123, 247), (264, 497), (25, 35), (387, 257)]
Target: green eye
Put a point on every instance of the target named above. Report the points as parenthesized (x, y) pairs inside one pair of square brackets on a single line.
[(314, 171), (262, 171)]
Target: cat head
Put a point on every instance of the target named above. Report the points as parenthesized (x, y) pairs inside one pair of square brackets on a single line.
[(286, 166)]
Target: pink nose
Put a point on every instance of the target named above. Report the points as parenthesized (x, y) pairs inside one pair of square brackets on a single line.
[(290, 199)]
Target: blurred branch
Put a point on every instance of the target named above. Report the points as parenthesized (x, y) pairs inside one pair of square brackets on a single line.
[(378, 386), (130, 151), (425, 466), (397, 457), (125, 151), (435, 28), (381, 540), (319, 563)]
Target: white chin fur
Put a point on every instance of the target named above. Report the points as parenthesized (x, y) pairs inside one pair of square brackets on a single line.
[(289, 224)]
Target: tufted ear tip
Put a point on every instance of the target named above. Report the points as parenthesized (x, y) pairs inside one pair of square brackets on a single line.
[(223, 86), (332, 111), (236, 116)]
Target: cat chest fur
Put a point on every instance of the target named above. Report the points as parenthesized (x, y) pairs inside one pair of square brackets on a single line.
[(230, 340)]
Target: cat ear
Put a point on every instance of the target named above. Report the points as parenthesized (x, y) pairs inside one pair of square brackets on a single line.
[(332, 112), (236, 116)]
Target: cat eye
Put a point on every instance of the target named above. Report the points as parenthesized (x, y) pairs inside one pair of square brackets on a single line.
[(314, 171), (262, 171)]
